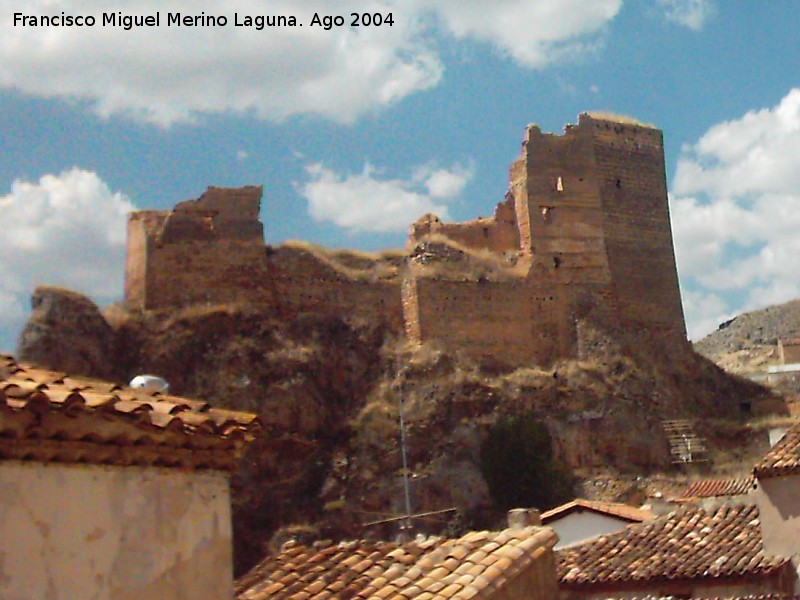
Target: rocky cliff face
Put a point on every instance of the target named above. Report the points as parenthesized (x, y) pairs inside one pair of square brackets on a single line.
[(328, 393), (66, 331)]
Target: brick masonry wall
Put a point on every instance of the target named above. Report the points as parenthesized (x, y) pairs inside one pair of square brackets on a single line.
[(301, 282), (212, 271), (638, 237), (510, 322), (498, 234), (212, 251), (565, 219), (140, 226), (586, 212)]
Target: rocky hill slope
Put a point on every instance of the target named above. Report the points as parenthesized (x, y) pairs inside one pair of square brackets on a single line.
[(328, 393), (748, 342)]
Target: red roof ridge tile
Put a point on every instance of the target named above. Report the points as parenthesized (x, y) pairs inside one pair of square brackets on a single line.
[(616, 509), (711, 488), (38, 405)]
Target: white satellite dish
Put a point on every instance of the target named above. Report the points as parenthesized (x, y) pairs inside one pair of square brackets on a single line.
[(150, 383)]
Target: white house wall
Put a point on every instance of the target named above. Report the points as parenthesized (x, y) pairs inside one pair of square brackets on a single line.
[(778, 500), (96, 533), (580, 526)]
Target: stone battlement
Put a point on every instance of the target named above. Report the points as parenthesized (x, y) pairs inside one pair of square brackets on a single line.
[(583, 228)]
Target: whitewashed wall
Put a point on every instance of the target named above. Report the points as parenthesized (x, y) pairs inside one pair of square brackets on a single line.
[(579, 526)]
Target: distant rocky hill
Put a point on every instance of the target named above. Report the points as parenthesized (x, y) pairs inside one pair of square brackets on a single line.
[(748, 342)]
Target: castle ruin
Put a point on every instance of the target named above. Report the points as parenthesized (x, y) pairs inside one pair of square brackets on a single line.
[(583, 228)]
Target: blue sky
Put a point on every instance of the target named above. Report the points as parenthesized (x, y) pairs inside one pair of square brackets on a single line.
[(355, 132)]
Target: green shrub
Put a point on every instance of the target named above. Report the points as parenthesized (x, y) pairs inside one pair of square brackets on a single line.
[(518, 465)]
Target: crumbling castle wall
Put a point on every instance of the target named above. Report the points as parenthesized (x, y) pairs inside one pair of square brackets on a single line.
[(498, 234), (302, 283), (559, 208), (209, 250), (212, 251), (505, 322), (584, 228)]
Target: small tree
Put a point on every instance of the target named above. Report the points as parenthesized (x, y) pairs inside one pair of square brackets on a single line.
[(518, 465)]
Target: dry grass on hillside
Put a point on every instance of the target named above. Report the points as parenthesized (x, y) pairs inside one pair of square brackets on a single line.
[(604, 115), (196, 312), (439, 257), (355, 264)]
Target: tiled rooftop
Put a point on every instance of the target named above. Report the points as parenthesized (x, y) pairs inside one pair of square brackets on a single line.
[(613, 509), (687, 544), (472, 566), (783, 458), (712, 488), (750, 597), (51, 417)]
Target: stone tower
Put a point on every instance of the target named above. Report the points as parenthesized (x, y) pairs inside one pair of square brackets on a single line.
[(592, 209)]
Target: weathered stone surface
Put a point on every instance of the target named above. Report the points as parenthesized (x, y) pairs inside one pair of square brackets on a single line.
[(586, 216), (592, 220), (67, 332)]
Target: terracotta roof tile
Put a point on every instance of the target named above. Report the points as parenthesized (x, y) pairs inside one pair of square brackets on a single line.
[(750, 597), (711, 488), (429, 569), (49, 416), (783, 458), (614, 509), (687, 544)]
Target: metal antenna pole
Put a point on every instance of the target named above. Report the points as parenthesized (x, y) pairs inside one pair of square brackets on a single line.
[(406, 488)]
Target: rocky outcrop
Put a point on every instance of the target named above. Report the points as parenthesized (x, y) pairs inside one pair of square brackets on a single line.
[(66, 331), (328, 394)]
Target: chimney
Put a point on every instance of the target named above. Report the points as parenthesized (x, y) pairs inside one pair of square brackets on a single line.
[(659, 505), (519, 518)]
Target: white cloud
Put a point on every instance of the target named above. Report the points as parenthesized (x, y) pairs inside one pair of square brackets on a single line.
[(365, 202), (704, 312), (175, 74), (736, 212), (690, 13), (444, 183), (66, 230), (533, 34)]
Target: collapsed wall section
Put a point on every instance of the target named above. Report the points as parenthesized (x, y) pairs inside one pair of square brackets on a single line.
[(498, 234)]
